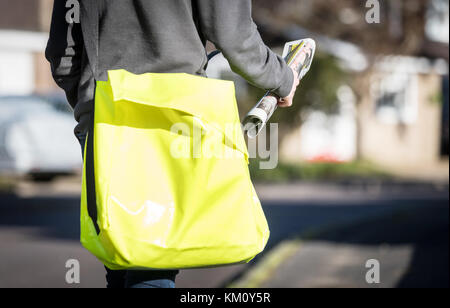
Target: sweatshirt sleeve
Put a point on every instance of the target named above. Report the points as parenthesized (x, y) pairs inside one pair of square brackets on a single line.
[(64, 49), (229, 25)]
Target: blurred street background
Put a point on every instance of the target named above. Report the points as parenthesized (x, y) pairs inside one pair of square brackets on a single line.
[(363, 154)]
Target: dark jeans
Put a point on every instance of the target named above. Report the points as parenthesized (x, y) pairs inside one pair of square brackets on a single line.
[(140, 279), (136, 279)]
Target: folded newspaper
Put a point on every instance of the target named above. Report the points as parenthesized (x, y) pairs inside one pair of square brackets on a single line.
[(300, 52)]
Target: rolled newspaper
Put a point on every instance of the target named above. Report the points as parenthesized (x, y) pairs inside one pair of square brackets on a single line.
[(301, 53)]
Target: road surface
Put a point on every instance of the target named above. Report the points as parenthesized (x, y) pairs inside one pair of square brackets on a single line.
[(39, 232)]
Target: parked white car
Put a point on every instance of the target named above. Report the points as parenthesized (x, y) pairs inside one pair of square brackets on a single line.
[(36, 138)]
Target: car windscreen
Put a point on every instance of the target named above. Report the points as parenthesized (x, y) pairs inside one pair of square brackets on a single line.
[(11, 107)]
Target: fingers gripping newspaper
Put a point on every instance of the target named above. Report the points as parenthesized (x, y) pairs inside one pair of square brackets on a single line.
[(298, 55)]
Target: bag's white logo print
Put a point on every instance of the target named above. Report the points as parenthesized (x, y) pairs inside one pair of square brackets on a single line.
[(153, 211)]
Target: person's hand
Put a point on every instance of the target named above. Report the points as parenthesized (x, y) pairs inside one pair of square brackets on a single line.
[(288, 100)]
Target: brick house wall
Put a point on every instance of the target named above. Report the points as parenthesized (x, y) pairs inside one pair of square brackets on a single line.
[(25, 15), (25, 19)]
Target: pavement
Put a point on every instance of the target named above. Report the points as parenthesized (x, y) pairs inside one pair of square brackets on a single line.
[(321, 236), (410, 245)]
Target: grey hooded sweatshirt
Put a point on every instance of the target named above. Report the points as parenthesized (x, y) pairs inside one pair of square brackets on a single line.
[(90, 37)]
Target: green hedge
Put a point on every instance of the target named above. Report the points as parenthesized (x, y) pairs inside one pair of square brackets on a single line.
[(316, 171)]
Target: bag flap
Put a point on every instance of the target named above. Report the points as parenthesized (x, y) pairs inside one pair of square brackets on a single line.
[(210, 100)]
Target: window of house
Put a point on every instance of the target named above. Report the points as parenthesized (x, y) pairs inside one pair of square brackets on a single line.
[(445, 117), (437, 21), (396, 99)]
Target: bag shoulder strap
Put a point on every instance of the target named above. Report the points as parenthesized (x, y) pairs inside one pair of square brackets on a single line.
[(90, 17)]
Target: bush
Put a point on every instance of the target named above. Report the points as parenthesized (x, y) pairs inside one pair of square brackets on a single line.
[(316, 172)]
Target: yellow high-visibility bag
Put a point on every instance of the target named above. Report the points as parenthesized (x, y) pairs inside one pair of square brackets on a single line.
[(165, 179)]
